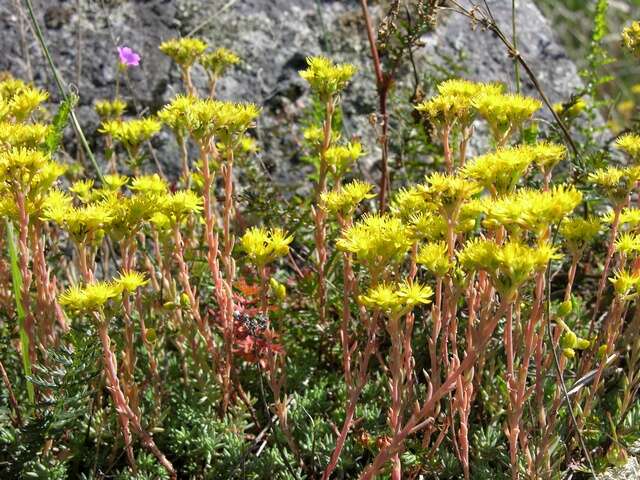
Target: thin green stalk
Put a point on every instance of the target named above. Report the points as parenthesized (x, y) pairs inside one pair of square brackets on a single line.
[(514, 35), (16, 278), (556, 361), (61, 89)]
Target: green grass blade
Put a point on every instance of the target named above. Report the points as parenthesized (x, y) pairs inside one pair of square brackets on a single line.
[(16, 278)]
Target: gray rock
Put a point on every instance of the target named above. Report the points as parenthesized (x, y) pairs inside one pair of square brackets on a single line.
[(627, 472), (273, 37)]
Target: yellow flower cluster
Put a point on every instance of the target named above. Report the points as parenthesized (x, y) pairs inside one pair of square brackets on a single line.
[(499, 171), (579, 232), (505, 113), (95, 296), (345, 199), (397, 299), (532, 210), (455, 102), (408, 202), (434, 257), (509, 265), (626, 284), (207, 118), (28, 135), (110, 109), (325, 77), (131, 133), (340, 158), (448, 192), (377, 240), (18, 100), (184, 51), (631, 38), (264, 246), (627, 243), (616, 183), (217, 62), (630, 144), (571, 109)]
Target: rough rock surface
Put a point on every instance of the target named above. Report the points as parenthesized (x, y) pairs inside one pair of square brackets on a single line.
[(273, 37)]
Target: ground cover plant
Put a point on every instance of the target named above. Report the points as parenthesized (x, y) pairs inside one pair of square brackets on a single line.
[(477, 319)]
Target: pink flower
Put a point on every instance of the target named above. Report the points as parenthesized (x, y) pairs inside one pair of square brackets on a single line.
[(128, 57)]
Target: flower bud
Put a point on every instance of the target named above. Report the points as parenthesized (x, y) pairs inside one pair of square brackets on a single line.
[(565, 308), (278, 289), (184, 300), (569, 352), (151, 335), (582, 344), (569, 340)]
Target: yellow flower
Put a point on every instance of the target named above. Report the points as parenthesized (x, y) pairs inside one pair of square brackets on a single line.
[(83, 189), (631, 38), (630, 143), (509, 265), (149, 185), (217, 62), (340, 158), (501, 170), (314, 135), (180, 204), (131, 133), (408, 202), (532, 210), (325, 77), (412, 294), (88, 219), (377, 240), (571, 109), (21, 165), (448, 192), (467, 89), (23, 135), (627, 243), (505, 113), (178, 114), (625, 283), (264, 246), (546, 154), (207, 118), (129, 282), (579, 232), (25, 101), (345, 200), (434, 257), (445, 109), (110, 109), (183, 51), (616, 183), (91, 297), (397, 299), (114, 182)]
